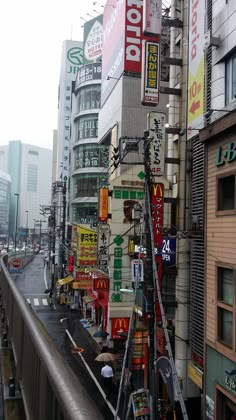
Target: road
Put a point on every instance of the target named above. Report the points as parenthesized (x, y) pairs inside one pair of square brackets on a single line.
[(67, 332)]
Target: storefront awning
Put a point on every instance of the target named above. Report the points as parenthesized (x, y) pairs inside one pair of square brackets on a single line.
[(65, 280), (103, 302), (91, 294)]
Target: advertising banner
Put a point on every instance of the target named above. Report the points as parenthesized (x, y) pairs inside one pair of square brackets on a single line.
[(137, 272), (196, 65), (156, 125), (93, 39), (102, 247), (152, 14), (87, 247), (103, 205), (150, 73), (140, 402), (88, 73)]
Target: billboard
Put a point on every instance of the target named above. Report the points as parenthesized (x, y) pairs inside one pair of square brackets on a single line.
[(87, 247), (150, 73), (93, 40), (88, 73), (122, 41), (156, 127), (152, 12), (196, 65)]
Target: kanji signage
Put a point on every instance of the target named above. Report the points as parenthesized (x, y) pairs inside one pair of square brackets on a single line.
[(152, 15), (103, 205), (87, 247), (150, 80), (157, 198), (103, 250), (156, 127)]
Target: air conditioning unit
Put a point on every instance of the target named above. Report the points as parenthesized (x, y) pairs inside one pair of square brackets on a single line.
[(130, 146)]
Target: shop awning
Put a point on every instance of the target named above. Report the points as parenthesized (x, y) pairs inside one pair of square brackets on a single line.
[(103, 302), (65, 280), (87, 299), (91, 294)]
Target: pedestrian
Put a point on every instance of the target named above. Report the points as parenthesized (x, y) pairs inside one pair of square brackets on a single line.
[(105, 345), (108, 380)]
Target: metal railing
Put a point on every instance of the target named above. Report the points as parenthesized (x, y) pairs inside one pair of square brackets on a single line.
[(49, 388)]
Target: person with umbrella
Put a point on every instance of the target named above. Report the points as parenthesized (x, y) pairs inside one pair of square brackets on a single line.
[(105, 341), (108, 379)]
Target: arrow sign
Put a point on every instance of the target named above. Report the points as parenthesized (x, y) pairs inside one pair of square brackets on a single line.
[(194, 107)]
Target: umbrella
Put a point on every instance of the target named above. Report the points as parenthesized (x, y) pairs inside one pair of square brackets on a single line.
[(105, 357), (101, 334), (122, 333)]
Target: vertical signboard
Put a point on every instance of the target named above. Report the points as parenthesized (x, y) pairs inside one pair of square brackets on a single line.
[(150, 73), (87, 247), (196, 64), (103, 250), (103, 205), (152, 10), (156, 127), (157, 198), (93, 39)]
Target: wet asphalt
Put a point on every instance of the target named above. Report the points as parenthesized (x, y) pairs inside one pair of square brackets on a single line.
[(62, 324)]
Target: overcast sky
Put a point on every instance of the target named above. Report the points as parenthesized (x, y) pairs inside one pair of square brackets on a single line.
[(31, 36)]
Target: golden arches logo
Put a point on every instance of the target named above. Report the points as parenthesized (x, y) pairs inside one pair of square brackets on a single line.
[(101, 284), (158, 188), (120, 323)]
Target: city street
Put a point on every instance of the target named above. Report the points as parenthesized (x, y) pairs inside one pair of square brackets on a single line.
[(67, 332)]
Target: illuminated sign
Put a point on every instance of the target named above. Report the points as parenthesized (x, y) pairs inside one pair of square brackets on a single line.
[(119, 324), (150, 73), (87, 247)]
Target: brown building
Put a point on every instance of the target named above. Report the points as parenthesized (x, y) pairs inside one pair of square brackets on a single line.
[(220, 268)]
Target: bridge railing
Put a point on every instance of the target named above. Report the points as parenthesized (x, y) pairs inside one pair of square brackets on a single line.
[(49, 388)]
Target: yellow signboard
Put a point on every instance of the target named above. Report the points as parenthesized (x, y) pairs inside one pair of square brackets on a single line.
[(195, 374), (87, 247)]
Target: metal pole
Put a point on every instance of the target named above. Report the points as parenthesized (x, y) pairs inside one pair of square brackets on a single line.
[(16, 221), (149, 284), (53, 246), (26, 232)]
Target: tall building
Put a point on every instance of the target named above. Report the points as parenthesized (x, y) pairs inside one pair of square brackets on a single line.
[(30, 169), (5, 191)]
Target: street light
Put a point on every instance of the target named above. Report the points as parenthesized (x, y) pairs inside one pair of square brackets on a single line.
[(16, 220), (26, 232), (138, 291)]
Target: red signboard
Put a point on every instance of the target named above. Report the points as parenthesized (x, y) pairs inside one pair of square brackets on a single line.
[(122, 41), (157, 220), (103, 205), (71, 264), (119, 324), (101, 283)]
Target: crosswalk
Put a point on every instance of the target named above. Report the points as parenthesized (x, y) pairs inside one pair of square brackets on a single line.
[(37, 301)]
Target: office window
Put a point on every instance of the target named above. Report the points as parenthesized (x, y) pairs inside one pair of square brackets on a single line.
[(32, 178), (226, 193), (226, 305), (230, 79)]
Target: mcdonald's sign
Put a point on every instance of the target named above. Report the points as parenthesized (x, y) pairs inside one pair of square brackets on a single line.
[(101, 284), (119, 324)]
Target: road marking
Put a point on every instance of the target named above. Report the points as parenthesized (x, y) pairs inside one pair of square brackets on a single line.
[(93, 377), (45, 302), (36, 302)]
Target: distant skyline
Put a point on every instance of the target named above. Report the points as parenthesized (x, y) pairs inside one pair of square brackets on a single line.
[(31, 37)]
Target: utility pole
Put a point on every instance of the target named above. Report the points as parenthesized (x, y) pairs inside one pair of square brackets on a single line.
[(53, 245), (63, 238), (149, 284)]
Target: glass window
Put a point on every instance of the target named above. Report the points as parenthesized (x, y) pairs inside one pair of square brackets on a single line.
[(226, 305), (32, 178), (87, 127), (89, 97), (230, 79), (87, 185), (85, 213), (226, 193), (91, 155)]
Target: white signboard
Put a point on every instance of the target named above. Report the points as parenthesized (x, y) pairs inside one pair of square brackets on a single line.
[(152, 17), (156, 126), (137, 271)]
